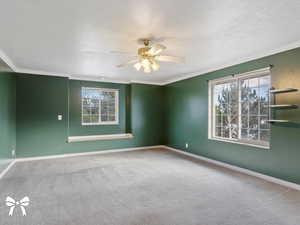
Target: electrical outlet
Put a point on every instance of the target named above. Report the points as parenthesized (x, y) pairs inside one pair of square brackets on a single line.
[(186, 145), (13, 153), (59, 117)]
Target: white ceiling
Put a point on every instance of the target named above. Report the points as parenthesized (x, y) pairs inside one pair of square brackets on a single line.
[(75, 37)]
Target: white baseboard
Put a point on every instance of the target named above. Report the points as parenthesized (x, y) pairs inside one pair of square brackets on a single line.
[(87, 153), (75, 154), (239, 169), (2, 174)]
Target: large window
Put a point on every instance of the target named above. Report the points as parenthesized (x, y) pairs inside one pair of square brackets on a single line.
[(99, 106), (239, 108)]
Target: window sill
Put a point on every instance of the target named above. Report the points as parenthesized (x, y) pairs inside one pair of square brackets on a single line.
[(99, 124), (241, 143), (99, 137)]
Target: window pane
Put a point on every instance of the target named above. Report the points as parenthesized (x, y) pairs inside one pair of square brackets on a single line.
[(234, 133), (245, 108), (253, 122), (226, 132), (218, 132), (263, 122), (244, 122), (234, 120), (217, 109), (111, 118), (108, 107), (86, 119), (241, 109), (103, 109), (253, 134), (265, 135), (253, 82), (218, 121), (253, 94), (225, 121), (233, 93), (244, 133), (225, 93), (264, 94), (226, 110), (256, 90), (265, 81), (104, 118), (85, 110), (95, 101), (244, 90), (233, 108), (111, 111), (95, 118), (85, 101), (217, 91), (253, 108), (94, 110), (264, 109)]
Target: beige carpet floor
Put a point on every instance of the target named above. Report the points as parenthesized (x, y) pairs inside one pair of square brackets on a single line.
[(149, 187)]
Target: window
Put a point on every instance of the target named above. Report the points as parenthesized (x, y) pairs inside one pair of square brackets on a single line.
[(239, 108), (99, 106)]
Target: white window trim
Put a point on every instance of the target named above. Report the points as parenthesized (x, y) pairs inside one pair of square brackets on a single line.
[(116, 122), (211, 83)]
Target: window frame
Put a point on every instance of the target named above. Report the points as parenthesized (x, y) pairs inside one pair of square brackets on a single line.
[(211, 110), (116, 122)]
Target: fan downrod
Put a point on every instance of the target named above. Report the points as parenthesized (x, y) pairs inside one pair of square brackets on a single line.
[(146, 42)]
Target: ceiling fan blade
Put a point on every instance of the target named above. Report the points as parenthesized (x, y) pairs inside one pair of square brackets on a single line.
[(167, 58), (121, 53), (156, 49), (128, 63)]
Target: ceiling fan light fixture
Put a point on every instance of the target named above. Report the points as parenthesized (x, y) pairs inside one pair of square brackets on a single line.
[(155, 66), (149, 56), (138, 66), (156, 49), (146, 62), (147, 69)]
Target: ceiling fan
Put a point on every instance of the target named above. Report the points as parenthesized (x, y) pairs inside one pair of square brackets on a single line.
[(149, 55)]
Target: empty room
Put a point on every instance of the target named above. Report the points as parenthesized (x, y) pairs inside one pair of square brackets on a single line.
[(154, 112)]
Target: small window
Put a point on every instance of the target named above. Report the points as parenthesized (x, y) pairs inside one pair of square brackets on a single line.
[(99, 106), (239, 108)]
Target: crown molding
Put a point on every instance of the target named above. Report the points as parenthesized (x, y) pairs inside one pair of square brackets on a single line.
[(146, 82), (8, 61), (185, 76), (86, 77), (98, 79), (73, 77), (40, 72)]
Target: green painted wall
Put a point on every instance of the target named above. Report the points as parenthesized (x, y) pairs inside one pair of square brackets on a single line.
[(7, 117), (187, 120), (41, 98), (173, 115)]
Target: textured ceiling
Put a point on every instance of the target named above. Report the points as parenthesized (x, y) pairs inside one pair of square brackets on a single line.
[(75, 37)]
